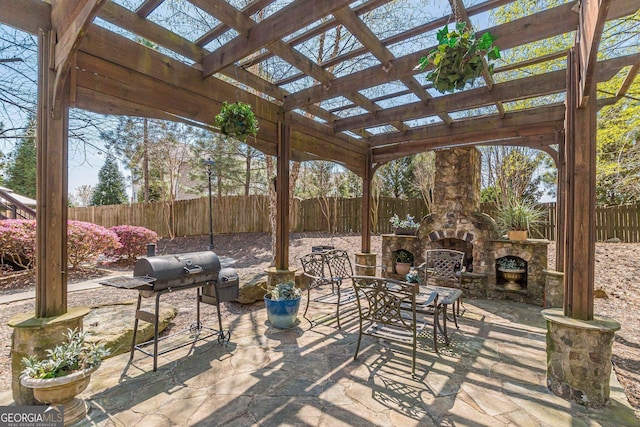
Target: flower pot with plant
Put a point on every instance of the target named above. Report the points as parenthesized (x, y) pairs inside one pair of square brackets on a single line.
[(64, 373), (282, 304), (406, 227), (237, 120), (404, 260), (459, 58), (518, 218)]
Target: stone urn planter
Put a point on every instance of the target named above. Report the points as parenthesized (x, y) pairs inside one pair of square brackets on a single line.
[(62, 391), (512, 276)]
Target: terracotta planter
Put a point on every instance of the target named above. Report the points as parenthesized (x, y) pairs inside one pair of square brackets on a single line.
[(62, 391), (517, 234), (403, 268)]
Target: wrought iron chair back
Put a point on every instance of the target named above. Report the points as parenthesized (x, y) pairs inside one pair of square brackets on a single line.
[(331, 267), (387, 309), (443, 266), (339, 264)]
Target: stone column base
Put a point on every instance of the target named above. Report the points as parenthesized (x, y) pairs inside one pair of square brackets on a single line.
[(553, 289), (275, 276), (33, 336), (365, 264), (579, 357)]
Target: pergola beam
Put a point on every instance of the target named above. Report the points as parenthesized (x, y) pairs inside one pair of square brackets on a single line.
[(540, 26), (26, 15), (593, 14), (276, 26)]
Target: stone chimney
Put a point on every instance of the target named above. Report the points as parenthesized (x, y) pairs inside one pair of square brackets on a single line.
[(457, 181)]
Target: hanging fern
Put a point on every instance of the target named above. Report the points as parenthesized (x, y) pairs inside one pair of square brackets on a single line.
[(458, 59), (237, 120)]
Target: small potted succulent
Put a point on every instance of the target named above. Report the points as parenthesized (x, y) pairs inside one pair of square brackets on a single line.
[(412, 276), (283, 303), (64, 373), (237, 120), (406, 227), (404, 260), (459, 58)]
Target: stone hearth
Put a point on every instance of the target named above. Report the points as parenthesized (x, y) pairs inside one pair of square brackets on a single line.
[(457, 223)]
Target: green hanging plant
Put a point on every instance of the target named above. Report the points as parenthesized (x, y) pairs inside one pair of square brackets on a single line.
[(237, 120), (458, 58)]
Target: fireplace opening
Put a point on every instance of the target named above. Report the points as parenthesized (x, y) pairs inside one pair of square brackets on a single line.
[(511, 273), (457, 245)]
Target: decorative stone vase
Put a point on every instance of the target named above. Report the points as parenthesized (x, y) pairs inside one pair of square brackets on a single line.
[(62, 391), (517, 234), (401, 231), (512, 276), (403, 268), (282, 314)]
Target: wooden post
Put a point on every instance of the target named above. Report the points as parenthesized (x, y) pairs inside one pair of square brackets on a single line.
[(366, 205), (561, 219), (51, 188), (282, 196), (579, 260)]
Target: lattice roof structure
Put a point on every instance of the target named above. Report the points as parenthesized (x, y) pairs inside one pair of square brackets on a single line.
[(360, 104)]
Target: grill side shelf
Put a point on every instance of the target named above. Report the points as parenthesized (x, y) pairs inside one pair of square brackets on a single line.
[(125, 282)]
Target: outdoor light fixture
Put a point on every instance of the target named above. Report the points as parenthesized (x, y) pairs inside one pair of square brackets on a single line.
[(209, 164)]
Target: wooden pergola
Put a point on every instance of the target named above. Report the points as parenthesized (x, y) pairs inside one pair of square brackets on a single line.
[(91, 57)]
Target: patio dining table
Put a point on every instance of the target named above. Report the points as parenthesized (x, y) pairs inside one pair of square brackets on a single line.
[(446, 297)]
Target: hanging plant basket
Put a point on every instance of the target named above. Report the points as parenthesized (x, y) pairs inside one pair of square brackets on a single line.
[(237, 120), (458, 59)]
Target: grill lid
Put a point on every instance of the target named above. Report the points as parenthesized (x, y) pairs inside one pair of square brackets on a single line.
[(170, 267)]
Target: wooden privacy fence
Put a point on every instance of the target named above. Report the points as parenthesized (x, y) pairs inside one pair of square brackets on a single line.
[(236, 214)]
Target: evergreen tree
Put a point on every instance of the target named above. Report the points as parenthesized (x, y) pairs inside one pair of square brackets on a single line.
[(21, 165), (111, 187)]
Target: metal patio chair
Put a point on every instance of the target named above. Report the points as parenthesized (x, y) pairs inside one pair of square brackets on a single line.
[(333, 268), (387, 310)]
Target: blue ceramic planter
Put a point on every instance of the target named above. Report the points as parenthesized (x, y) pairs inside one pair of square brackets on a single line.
[(282, 314)]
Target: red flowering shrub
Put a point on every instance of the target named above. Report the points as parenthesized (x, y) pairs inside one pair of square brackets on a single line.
[(134, 241), (86, 241), (18, 242)]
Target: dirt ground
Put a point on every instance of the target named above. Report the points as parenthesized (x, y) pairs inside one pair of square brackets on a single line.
[(617, 270)]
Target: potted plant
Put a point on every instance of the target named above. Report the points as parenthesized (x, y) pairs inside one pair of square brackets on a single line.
[(283, 303), (237, 120), (459, 58), (406, 227), (513, 270), (518, 218), (404, 260), (64, 373), (412, 276)]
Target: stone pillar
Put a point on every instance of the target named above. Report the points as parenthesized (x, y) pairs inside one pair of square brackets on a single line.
[(553, 289), (579, 357), (365, 264), (33, 336), (275, 276)]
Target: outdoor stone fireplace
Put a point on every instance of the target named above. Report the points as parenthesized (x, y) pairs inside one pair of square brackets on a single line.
[(457, 223)]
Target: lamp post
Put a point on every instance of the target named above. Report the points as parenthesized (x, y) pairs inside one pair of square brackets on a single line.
[(209, 164)]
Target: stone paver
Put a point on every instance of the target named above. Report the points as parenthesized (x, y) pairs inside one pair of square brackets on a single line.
[(493, 374)]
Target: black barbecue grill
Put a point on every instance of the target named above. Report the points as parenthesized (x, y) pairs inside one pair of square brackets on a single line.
[(157, 275)]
